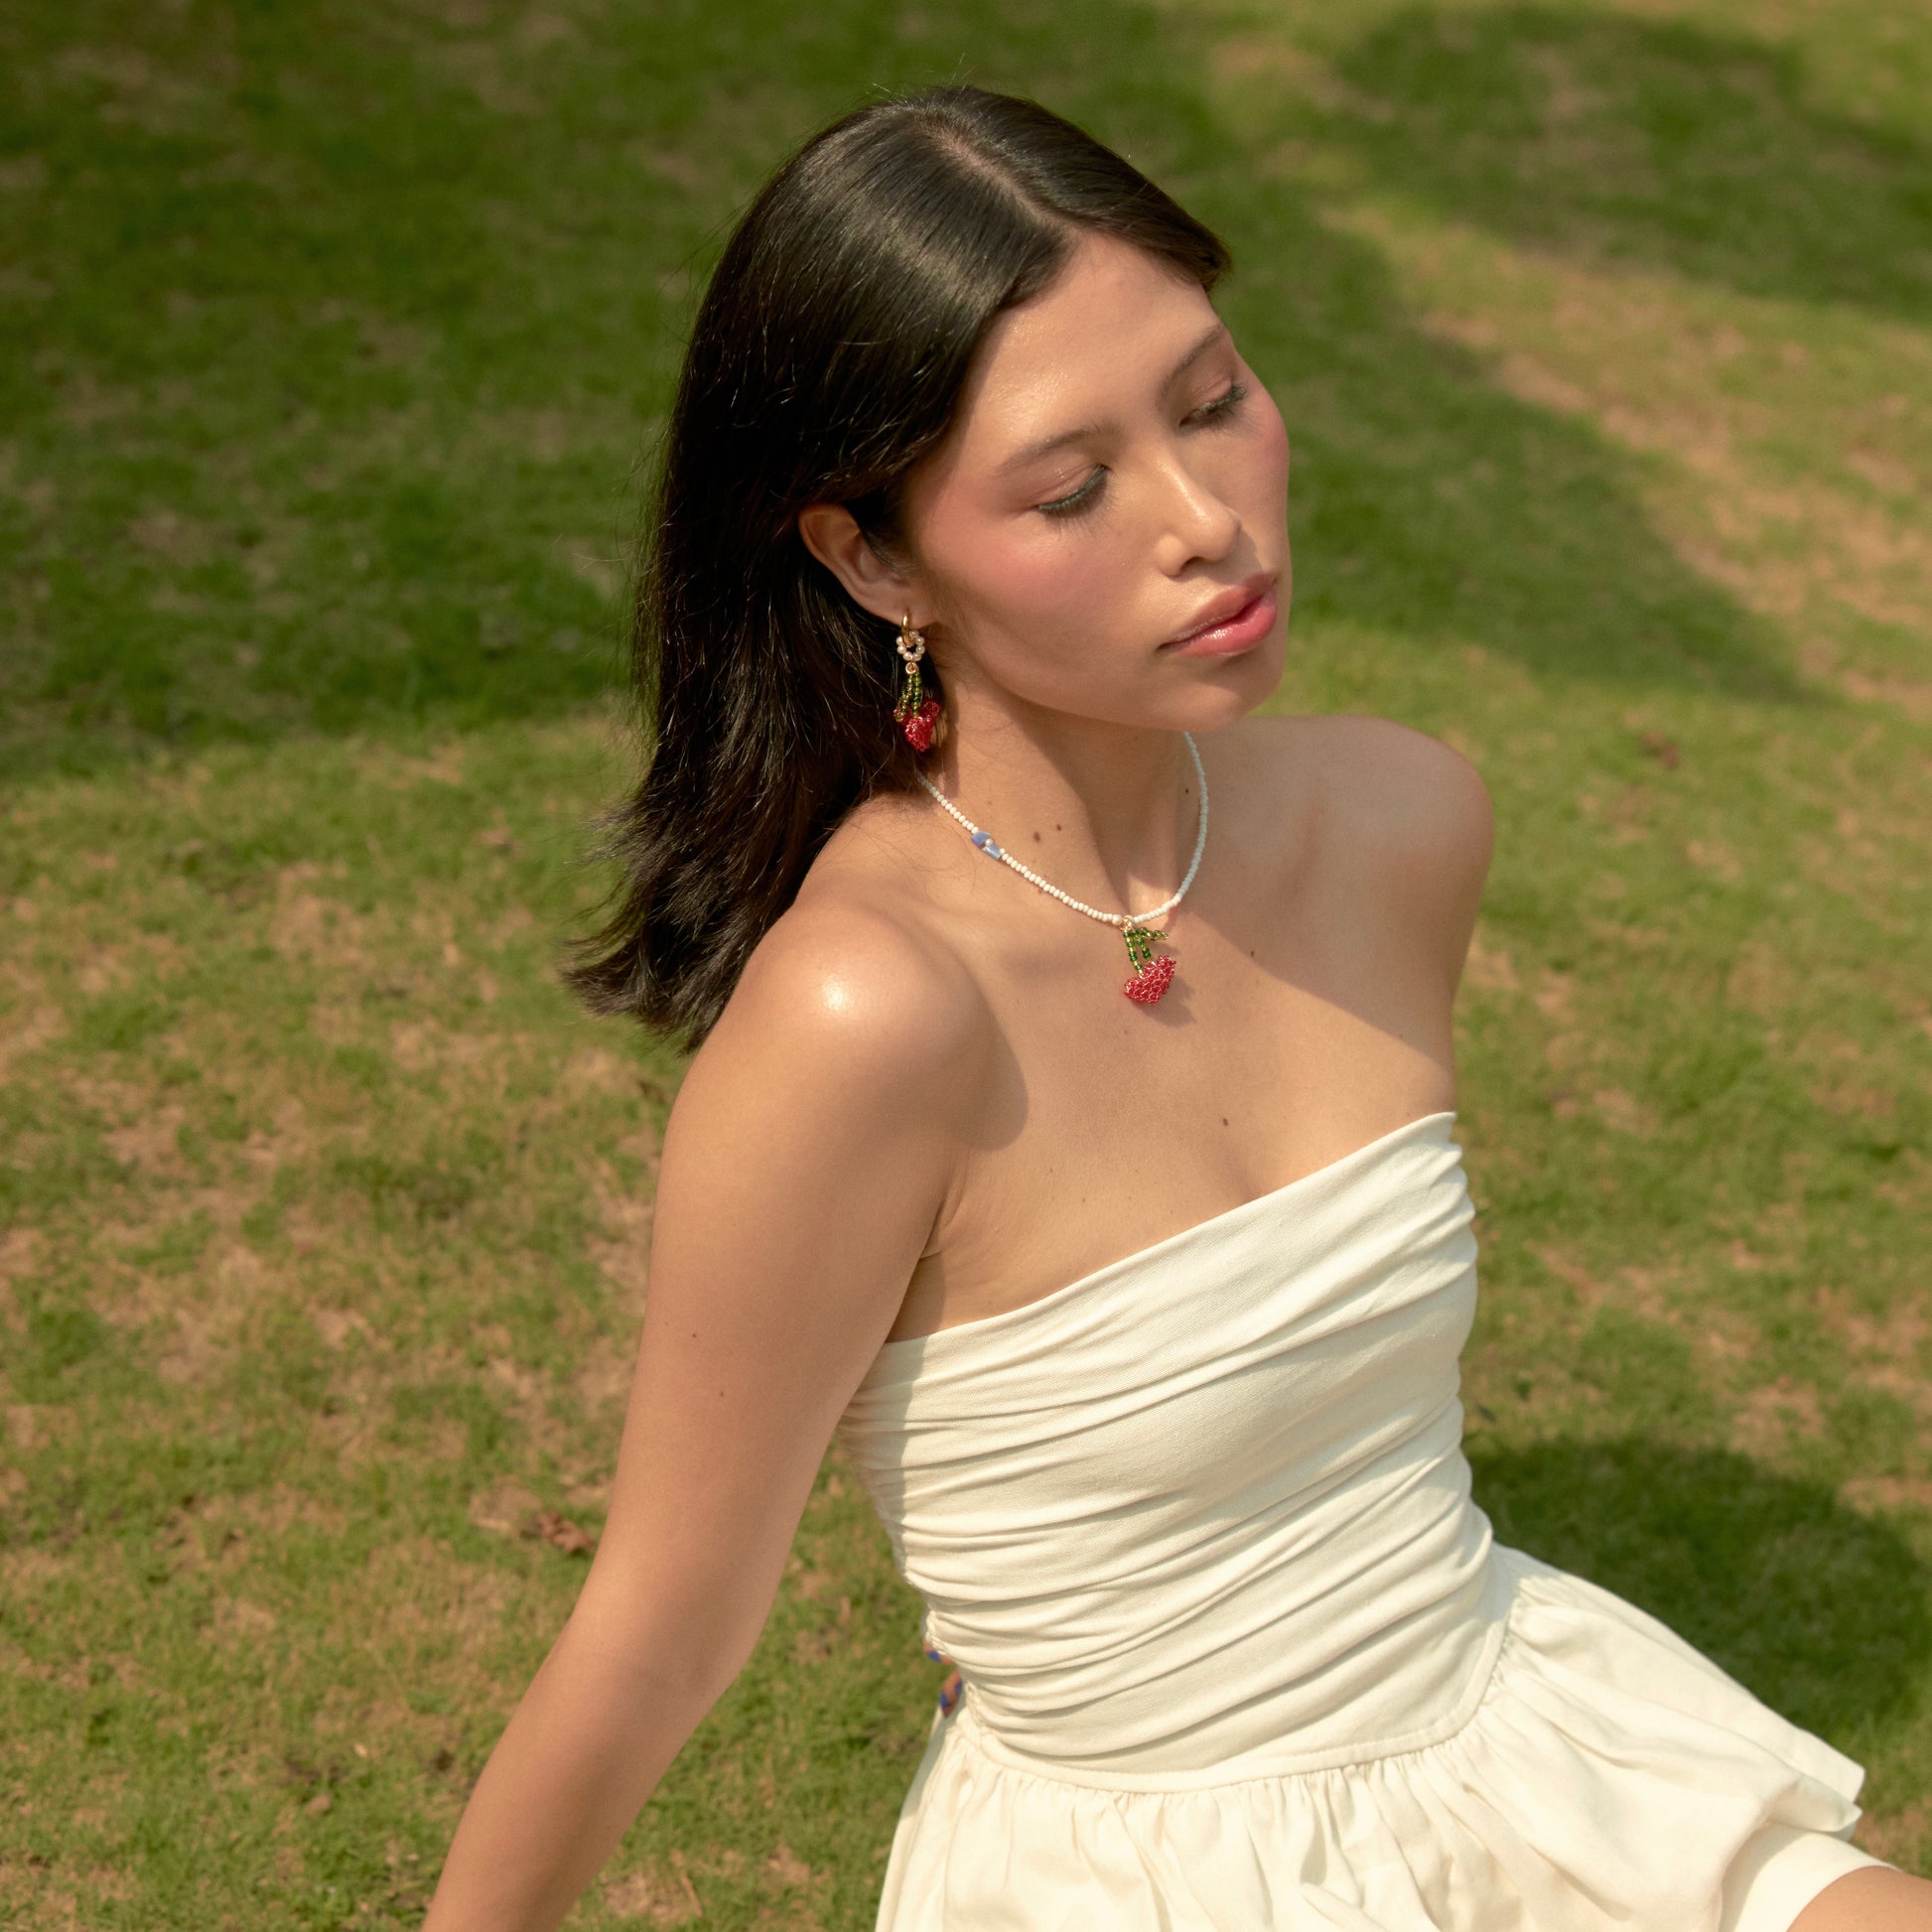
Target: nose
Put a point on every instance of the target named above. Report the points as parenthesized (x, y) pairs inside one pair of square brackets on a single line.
[(1199, 524)]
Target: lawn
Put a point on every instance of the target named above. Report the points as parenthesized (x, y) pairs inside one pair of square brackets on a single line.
[(332, 340)]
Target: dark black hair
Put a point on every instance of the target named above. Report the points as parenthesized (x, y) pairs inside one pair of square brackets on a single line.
[(826, 362)]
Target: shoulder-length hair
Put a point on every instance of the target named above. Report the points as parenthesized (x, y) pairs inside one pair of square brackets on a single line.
[(826, 362)]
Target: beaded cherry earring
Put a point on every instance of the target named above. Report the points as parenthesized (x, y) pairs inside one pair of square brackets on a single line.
[(916, 713)]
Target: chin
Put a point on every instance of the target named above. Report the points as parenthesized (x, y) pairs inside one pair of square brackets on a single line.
[(1214, 707)]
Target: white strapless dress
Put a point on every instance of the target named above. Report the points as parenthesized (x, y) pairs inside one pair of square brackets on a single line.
[(1240, 1652)]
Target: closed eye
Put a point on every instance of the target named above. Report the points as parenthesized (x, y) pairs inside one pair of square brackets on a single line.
[(1225, 404), (1076, 500), (1087, 495)]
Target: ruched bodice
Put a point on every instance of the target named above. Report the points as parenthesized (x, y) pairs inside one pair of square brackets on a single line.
[(1126, 1503), (1197, 1530)]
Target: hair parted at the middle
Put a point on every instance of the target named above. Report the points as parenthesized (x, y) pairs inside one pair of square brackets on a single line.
[(826, 362)]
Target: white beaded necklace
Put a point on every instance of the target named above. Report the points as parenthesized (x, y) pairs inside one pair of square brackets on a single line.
[(1151, 975)]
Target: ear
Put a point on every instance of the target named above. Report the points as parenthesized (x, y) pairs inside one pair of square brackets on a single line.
[(831, 533)]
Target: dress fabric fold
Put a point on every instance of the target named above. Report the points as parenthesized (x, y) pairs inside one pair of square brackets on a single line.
[(1240, 1651)]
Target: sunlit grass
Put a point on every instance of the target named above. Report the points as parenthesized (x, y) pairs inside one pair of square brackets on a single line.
[(329, 339)]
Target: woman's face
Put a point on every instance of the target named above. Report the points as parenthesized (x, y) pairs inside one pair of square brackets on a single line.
[(1117, 477)]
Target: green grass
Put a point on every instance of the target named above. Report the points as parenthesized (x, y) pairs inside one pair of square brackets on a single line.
[(330, 340)]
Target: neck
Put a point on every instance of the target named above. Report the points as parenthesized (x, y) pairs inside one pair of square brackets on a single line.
[(1107, 812)]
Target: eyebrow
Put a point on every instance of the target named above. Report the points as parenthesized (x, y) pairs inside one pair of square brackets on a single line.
[(1048, 444)]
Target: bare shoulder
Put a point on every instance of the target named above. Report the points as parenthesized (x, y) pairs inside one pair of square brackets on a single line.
[(848, 1019), (846, 967), (1393, 813), (1414, 797)]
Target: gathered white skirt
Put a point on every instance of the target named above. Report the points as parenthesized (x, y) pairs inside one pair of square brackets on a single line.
[(1602, 1773)]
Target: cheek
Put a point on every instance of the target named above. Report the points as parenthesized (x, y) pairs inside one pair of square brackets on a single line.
[(1027, 578)]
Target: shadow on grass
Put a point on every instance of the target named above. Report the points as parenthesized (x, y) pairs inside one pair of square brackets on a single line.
[(325, 415), (1604, 135), (1822, 1613)]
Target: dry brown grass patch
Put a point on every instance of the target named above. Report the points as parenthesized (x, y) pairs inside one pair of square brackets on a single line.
[(653, 1895), (20, 1254), (1772, 1417), (306, 927), (1888, 1494), (1895, 1835)]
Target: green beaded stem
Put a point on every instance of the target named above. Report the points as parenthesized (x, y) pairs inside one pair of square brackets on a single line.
[(914, 693), (1140, 945)]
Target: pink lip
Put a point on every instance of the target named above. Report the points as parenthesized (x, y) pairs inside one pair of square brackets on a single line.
[(1236, 622)]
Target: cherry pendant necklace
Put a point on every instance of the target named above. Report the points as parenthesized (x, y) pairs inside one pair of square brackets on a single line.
[(1151, 975)]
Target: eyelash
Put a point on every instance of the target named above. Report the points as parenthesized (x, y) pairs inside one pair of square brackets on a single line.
[(1082, 500)]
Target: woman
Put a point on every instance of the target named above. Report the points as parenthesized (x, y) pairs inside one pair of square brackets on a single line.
[(1139, 1315)]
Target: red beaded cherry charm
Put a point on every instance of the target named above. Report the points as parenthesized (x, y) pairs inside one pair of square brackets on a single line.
[(1152, 977), (1151, 981), (917, 725)]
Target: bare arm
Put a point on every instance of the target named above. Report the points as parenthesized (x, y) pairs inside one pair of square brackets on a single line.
[(803, 1163)]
